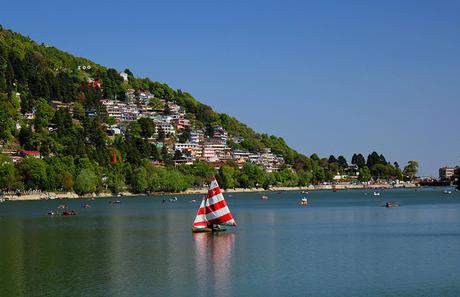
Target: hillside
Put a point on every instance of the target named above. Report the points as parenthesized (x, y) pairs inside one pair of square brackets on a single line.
[(64, 107)]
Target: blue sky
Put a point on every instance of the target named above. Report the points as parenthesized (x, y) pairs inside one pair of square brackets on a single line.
[(335, 77)]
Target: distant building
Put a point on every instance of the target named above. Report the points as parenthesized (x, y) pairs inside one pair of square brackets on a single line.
[(197, 136), (31, 154), (185, 146), (220, 133), (124, 76), (446, 173)]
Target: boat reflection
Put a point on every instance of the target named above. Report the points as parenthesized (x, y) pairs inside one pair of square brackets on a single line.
[(213, 263)]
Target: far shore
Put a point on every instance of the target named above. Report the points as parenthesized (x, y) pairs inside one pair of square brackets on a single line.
[(72, 195)]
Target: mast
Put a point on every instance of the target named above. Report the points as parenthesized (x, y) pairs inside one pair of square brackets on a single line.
[(213, 209)]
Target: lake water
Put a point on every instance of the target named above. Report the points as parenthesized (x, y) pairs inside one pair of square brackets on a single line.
[(343, 244)]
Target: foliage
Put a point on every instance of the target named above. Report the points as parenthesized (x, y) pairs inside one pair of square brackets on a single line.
[(410, 170), (7, 173), (77, 151), (86, 182)]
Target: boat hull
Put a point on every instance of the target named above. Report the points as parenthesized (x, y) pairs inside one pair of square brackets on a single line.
[(206, 230)]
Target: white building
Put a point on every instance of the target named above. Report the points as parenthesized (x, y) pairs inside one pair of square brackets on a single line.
[(185, 146), (124, 76)]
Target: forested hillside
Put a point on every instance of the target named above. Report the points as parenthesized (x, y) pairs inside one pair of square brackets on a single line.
[(77, 153)]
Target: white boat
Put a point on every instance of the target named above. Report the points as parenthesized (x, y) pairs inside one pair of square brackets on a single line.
[(304, 202), (447, 192), (376, 194), (2, 199), (213, 211)]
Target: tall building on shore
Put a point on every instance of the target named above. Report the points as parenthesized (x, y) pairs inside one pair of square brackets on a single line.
[(446, 173)]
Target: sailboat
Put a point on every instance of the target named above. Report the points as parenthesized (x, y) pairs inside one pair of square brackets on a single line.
[(213, 211)]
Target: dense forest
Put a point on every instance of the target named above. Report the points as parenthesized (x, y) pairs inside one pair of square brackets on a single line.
[(76, 150)]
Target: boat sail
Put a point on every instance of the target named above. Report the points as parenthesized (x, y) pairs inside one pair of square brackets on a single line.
[(213, 211)]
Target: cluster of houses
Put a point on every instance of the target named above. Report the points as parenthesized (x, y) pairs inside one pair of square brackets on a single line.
[(212, 148), (171, 120)]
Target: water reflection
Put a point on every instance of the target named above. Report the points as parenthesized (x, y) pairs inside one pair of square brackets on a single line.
[(213, 268)]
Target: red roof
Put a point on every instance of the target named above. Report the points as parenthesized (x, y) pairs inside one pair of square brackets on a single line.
[(216, 164), (31, 153)]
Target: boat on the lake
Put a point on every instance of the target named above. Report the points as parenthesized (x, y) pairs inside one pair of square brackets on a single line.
[(173, 199), (114, 201), (391, 204), (304, 192), (2, 199), (86, 206), (69, 213), (213, 211), (447, 192), (303, 202), (264, 197), (376, 193)]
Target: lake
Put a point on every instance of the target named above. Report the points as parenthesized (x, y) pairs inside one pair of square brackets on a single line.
[(342, 244)]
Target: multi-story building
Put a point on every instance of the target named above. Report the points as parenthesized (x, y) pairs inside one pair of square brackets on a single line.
[(209, 154), (222, 151), (197, 136), (185, 146), (220, 133), (165, 126), (130, 113), (121, 111), (446, 173), (239, 155)]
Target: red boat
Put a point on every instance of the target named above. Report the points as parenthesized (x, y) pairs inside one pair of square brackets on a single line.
[(390, 204), (69, 213)]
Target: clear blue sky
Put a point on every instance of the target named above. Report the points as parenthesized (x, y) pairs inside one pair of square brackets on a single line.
[(333, 78)]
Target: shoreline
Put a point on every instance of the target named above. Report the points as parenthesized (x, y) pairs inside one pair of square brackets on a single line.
[(73, 195)]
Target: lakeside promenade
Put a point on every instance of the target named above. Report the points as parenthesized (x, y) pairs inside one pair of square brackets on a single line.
[(38, 195)]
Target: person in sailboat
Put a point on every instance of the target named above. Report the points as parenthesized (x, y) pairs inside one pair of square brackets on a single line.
[(213, 211)]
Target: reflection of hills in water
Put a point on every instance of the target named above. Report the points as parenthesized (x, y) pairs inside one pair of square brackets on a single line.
[(213, 258)]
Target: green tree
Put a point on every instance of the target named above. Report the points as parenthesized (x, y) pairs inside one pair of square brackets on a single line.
[(7, 173), (342, 162), (358, 160), (116, 182), (252, 176), (319, 175), (139, 180), (184, 137), (177, 155), (227, 176), (410, 170), (7, 118), (147, 127), (33, 173), (86, 182), (332, 159), (305, 177), (365, 174), (43, 114), (161, 135)]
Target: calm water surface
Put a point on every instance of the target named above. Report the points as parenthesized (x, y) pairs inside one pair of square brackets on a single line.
[(344, 244)]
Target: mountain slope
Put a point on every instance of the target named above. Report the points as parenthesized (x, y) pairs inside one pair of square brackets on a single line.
[(46, 72), (53, 102)]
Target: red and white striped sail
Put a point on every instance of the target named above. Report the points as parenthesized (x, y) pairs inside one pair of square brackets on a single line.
[(213, 209)]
